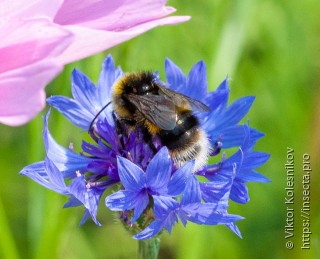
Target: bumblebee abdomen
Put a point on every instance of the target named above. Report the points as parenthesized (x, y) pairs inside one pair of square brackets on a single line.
[(187, 141), (197, 149), (186, 125)]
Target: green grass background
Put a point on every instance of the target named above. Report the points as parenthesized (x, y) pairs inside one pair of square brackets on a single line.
[(270, 49)]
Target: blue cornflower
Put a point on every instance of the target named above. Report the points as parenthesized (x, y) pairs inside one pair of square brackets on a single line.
[(153, 192), (159, 183)]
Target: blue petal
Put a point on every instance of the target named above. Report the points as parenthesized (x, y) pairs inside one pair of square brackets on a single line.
[(108, 132), (141, 203), (234, 136), (85, 92), (233, 227), (90, 197), (163, 205), (231, 137), (239, 192), (72, 202), (72, 110), (206, 214), (175, 77), (251, 176), (237, 110), (217, 102), (159, 171), (150, 231), (197, 82), (221, 119), (64, 159), (165, 211), (132, 176), (89, 99), (46, 174), (224, 86), (85, 217), (224, 171), (214, 191), (223, 204), (125, 200), (250, 160), (178, 181), (55, 176), (107, 78), (100, 151), (218, 189), (192, 192), (254, 136), (217, 98), (255, 159)]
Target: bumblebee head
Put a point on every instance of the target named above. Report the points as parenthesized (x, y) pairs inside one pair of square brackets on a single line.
[(140, 83)]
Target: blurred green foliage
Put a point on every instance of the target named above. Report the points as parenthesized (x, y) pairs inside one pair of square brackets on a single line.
[(269, 49)]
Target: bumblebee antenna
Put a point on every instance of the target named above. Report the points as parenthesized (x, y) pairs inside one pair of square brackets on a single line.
[(95, 117)]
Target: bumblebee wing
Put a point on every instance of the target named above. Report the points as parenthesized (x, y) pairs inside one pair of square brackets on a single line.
[(158, 109), (184, 101)]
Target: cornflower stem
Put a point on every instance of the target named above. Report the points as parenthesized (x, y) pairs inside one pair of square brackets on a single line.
[(149, 249)]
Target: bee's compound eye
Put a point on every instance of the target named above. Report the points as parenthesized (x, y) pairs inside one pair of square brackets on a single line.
[(144, 89)]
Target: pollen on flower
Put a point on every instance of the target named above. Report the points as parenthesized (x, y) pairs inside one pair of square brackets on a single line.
[(71, 147), (78, 173), (234, 166)]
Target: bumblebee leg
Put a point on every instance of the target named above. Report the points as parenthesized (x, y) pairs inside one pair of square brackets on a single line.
[(130, 122), (147, 137), (120, 129)]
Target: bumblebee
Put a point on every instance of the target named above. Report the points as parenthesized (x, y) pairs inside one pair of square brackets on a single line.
[(140, 100)]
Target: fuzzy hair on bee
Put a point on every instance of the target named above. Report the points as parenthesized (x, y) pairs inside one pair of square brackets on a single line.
[(141, 100)]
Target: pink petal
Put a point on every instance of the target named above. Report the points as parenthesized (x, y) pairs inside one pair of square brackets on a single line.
[(22, 91), (33, 41), (111, 15), (38, 37), (90, 41), (27, 51), (102, 24), (19, 10)]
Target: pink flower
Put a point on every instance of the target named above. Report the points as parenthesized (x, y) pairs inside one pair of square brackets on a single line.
[(38, 37)]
